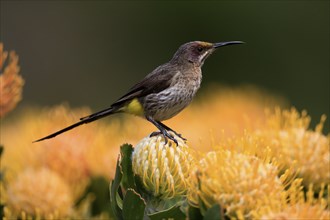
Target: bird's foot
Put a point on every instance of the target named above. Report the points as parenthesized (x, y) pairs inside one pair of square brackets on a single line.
[(166, 136), (155, 133)]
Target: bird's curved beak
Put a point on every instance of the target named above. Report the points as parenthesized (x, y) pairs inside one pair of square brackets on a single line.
[(221, 44)]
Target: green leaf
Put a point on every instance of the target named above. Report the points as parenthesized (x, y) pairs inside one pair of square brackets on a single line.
[(139, 186), (1, 170), (194, 213), (114, 197), (133, 205), (155, 204), (214, 213), (201, 204), (1, 211), (126, 166), (99, 188), (173, 212)]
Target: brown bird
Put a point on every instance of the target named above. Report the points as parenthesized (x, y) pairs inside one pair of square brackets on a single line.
[(164, 92)]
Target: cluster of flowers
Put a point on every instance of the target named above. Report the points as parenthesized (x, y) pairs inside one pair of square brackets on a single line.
[(254, 164), (280, 171)]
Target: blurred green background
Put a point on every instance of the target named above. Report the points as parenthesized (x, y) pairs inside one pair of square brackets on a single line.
[(91, 52)]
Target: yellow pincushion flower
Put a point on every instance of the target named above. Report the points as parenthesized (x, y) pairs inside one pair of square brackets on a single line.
[(288, 135), (300, 211), (163, 168), (237, 182), (297, 204), (38, 193)]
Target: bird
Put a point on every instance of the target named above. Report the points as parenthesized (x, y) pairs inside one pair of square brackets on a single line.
[(163, 93)]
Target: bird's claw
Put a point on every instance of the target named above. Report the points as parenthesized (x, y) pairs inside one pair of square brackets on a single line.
[(166, 136), (180, 136), (172, 138), (155, 133)]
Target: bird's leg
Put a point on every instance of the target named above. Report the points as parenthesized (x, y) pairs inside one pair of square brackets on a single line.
[(170, 129), (162, 130)]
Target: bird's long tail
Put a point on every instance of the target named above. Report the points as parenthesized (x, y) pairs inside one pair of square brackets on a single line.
[(83, 120)]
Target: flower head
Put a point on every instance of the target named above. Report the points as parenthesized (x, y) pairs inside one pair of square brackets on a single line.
[(66, 155), (299, 211), (38, 193), (235, 181), (297, 204), (75, 156), (11, 83), (162, 168), (288, 135)]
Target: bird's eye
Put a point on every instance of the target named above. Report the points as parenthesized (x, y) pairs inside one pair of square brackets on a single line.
[(200, 49)]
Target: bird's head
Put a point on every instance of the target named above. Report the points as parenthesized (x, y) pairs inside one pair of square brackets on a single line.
[(196, 52)]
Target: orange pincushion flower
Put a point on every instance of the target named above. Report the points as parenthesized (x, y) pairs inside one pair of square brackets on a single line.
[(66, 154), (38, 193), (11, 83)]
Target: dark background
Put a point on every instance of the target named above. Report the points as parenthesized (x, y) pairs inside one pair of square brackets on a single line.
[(91, 52)]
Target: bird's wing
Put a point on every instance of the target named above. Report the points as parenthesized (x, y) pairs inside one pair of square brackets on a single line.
[(156, 81)]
